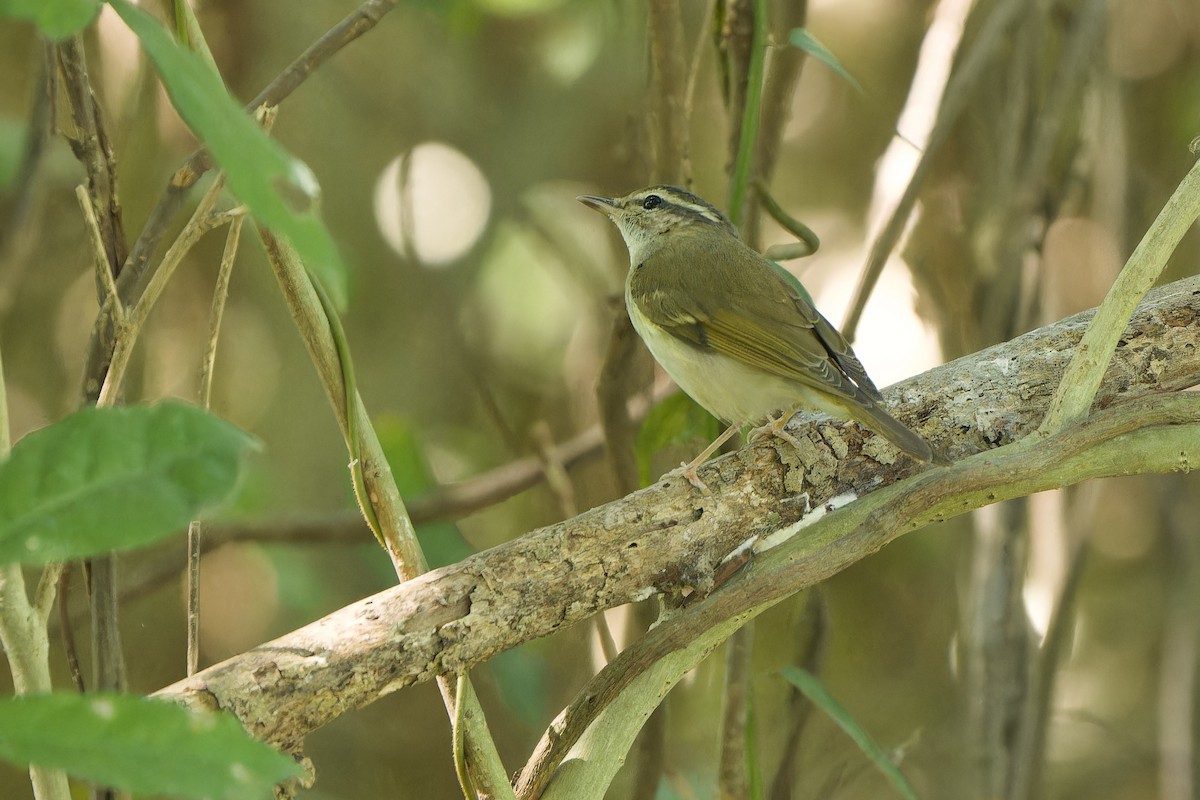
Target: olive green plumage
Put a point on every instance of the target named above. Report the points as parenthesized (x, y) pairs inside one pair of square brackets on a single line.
[(732, 332)]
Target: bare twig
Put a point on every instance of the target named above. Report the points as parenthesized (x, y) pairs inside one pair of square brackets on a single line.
[(782, 74), (732, 780), (91, 146), (689, 94), (669, 123), (133, 275), (195, 533), (624, 361), (130, 326), (110, 301), (66, 633), (958, 92), (90, 143)]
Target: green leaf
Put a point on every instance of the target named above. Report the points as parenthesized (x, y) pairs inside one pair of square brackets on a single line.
[(113, 478), (140, 745), (259, 170), (676, 419), (799, 37), (57, 19), (814, 690)]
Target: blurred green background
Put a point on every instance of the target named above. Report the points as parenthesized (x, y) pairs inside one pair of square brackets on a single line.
[(450, 142)]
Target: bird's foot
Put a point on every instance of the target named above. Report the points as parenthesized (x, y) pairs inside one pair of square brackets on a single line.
[(775, 428), (689, 473)]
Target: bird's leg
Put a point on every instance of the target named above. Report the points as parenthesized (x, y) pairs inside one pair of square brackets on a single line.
[(689, 469), (776, 428)]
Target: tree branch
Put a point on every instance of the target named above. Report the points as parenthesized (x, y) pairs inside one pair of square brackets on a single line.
[(1147, 434), (670, 540)]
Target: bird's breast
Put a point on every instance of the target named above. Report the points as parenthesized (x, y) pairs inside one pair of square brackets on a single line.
[(727, 388)]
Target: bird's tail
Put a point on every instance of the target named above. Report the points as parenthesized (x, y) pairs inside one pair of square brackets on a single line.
[(873, 416)]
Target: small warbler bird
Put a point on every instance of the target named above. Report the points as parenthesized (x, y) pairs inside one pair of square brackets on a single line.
[(731, 331)]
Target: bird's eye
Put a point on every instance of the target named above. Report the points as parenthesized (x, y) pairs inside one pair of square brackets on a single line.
[(652, 202)]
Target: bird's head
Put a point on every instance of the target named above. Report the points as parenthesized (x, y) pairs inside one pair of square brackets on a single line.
[(648, 218)]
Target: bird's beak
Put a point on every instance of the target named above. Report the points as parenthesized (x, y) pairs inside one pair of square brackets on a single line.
[(604, 205)]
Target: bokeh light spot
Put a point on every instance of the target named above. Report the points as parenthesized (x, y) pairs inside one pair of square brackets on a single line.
[(432, 204)]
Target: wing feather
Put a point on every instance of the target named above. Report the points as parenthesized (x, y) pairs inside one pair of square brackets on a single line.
[(744, 310)]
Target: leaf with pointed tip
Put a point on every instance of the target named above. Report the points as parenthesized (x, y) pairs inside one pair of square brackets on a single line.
[(800, 37), (814, 690)]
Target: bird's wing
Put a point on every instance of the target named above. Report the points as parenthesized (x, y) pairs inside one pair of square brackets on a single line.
[(750, 314)]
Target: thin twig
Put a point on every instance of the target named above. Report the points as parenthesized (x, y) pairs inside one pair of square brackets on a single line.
[(110, 300), (67, 633), (130, 328), (689, 94), (779, 87), (132, 275), (195, 533), (958, 92), (739, 181), (558, 481), (624, 360), (92, 148), (732, 778), (669, 123)]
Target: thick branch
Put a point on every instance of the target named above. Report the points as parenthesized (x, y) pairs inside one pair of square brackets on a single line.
[(668, 538), (1147, 434)]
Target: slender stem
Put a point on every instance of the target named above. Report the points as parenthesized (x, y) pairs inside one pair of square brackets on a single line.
[(23, 634), (732, 777), (670, 133), (1082, 377), (111, 299), (959, 90), (376, 490), (742, 165), (129, 329), (458, 735), (195, 534)]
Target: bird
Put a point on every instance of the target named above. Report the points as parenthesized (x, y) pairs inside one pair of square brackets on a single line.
[(737, 336)]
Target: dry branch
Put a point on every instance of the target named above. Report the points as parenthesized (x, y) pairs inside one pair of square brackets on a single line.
[(667, 538)]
